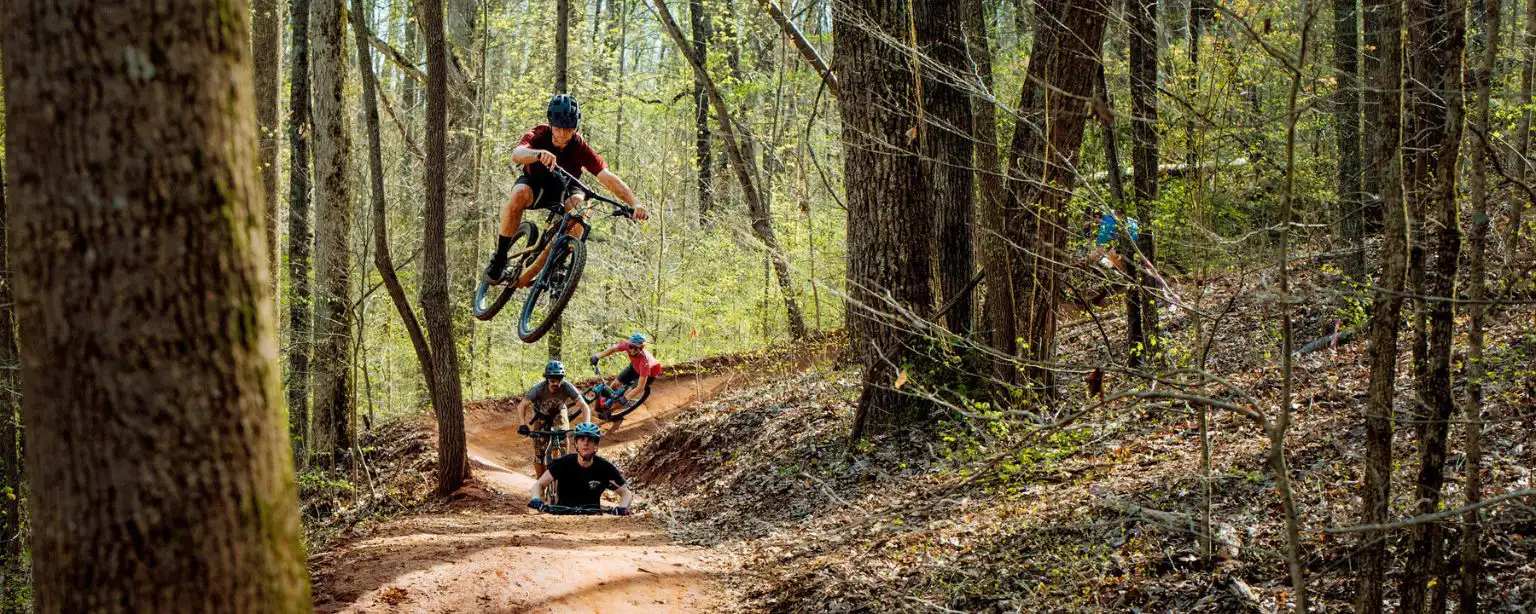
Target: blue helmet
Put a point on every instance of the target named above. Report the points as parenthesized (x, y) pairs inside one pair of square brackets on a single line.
[(587, 429), (637, 339), (554, 369), (564, 112)]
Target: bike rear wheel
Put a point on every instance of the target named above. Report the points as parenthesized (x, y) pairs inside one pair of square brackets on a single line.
[(549, 295), (490, 299), (644, 394)]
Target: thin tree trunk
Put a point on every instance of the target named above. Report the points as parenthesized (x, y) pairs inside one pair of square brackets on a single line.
[(1346, 123), (266, 49), (1522, 156), (1053, 108), (1141, 310), (381, 256), (562, 45), (299, 239), (889, 266), (1383, 35), (735, 136), (1105, 111), (947, 149), (1438, 31), (447, 396), (161, 476), (331, 427), (10, 400), (997, 316), (1471, 539), (703, 161)]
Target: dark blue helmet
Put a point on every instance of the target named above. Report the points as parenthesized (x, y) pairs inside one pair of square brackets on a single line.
[(555, 369), (564, 112)]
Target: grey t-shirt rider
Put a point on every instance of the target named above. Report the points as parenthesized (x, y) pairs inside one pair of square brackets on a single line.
[(548, 405)]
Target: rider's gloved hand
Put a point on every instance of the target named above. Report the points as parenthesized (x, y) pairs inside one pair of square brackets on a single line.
[(594, 360), (621, 511), (537, 504), (522, 429)]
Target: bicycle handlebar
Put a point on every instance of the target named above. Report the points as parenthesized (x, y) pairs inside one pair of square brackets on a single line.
[(583, 510), (549, 433), (623, 210)]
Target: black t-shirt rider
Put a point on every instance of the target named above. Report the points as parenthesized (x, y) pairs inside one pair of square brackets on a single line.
[(583, 486)]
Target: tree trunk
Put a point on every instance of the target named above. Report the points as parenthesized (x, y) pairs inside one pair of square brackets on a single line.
[(1383, 35), (947, 149), (889, 263), (984, 125), (1471, 539), (802, 45), (1053, 108), (1105, 111), (331, 428), (1438, 32), (299, 299), (562, 45), (381, 255), (1144, 42), (162, 480), (1522, 155), (735, 136), (1346, 124), (447, 396), (703, 161), (266, 49)]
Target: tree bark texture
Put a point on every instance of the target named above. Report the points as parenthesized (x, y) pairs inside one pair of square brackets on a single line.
[(889, 264), (1346, 125), (299, 239), (447, 395), (162, 477), (1053, 108), (1384, 64), (562, 45), (382, 260), (801, 44), (989, 171), (1144, 41), (266, 49), (703, 160), (1471, 539), (331, 428), (947, 148), (735, 136), (1437, 30)]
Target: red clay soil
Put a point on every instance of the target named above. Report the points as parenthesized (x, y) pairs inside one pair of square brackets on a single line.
[(489, 553)]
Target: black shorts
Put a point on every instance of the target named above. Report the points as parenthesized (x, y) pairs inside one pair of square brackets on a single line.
[(629, 377), (546, 187)]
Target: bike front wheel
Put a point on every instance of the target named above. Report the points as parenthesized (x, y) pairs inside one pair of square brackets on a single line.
[(489, 298), (549, 294)]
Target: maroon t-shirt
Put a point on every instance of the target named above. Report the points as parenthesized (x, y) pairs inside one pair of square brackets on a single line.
[(575, 156)]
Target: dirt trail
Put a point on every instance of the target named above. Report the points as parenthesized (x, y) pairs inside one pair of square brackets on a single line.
[(496, 555)]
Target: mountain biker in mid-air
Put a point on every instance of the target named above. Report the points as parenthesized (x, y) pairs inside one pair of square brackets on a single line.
[(582, 476), (642, 371), (548, 400), (557, 143)]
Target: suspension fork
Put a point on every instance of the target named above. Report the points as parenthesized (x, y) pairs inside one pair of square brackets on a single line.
[(576, 227)]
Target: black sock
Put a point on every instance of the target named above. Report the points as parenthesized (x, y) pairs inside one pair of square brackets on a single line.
[(503, 245)]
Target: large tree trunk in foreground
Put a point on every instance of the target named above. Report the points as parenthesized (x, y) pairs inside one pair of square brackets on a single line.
[(382, 260), (736, 137), (332, 428), (947, 147), (1383, 27), (161, 475), (1438, 32), (447, 395), (885, 256), (1053, 108), (299, 307), (266, 48)]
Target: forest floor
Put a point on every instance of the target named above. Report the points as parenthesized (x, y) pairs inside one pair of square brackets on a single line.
[(484, 551)]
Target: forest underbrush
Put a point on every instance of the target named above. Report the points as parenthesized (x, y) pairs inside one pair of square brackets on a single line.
[(1103, 509)]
